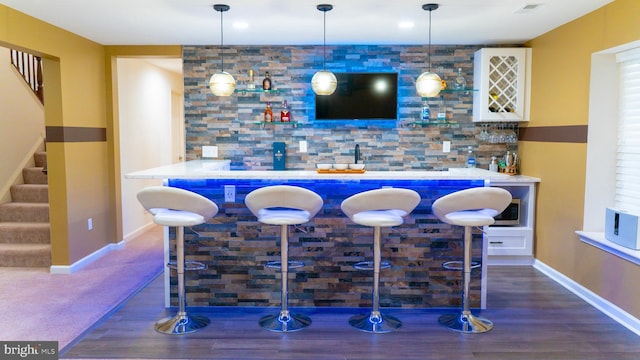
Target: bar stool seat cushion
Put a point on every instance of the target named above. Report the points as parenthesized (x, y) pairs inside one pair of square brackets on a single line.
[(383, 218), (479, 217), (170, 217), (278, 216)]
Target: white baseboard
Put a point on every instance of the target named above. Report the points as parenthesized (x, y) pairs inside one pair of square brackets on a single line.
[(619, 315), (70, 269)]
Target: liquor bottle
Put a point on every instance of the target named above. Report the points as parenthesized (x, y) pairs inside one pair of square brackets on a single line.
[(442, 111), (285, 115), (426, 111), (266, 82), (268, 113), (471, 158), (460, 83), (251, 85)]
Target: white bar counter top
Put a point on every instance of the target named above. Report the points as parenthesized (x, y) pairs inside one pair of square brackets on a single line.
[(206, 169)]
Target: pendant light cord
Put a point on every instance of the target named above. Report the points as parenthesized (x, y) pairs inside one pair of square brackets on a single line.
[(429, 50), (222, 41), (324, 41)]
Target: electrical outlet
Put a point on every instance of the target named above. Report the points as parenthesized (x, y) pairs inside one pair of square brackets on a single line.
[(89, 224), (229, 193), (303, 146), (209, 151), (446, 146)]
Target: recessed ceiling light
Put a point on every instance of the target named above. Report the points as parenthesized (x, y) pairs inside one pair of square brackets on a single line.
[(406, 24), (527, 8), (240, 25)]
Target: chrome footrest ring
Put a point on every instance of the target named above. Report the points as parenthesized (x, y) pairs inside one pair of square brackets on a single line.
[(292, 264), (188, 265), (459, 265), (368, 265)]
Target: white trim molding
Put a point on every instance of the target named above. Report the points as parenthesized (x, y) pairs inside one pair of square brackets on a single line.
[(611, 310), (70, 269)]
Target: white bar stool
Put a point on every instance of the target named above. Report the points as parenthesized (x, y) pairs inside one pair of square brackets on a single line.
[(378, 208), (469, 208), (284, 205), (178, 207)]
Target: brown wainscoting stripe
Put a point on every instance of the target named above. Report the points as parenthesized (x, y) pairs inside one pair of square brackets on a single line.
[(568, 134), (75, 134)]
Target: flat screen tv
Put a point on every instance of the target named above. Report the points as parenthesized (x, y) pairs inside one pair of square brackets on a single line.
[(360, 96)]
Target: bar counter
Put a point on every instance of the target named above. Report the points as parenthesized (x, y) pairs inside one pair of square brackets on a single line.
[(236, 247)]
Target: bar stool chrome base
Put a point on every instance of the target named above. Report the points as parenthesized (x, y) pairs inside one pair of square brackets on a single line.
[(375, 322), (181, 324), (284, 322), (466, 323)]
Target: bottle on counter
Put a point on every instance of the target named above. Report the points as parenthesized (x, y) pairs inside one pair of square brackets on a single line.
[(251, 85), (285, 114), (471, 158), (266, 82), (268, 113), (460, 82), (426, 111), (442, 111)]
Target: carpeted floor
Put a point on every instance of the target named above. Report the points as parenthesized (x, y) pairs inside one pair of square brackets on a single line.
[(38, 306)]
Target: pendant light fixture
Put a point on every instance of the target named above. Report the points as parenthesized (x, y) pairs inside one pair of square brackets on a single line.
[(222, 83), (324, 82), (429, 84)]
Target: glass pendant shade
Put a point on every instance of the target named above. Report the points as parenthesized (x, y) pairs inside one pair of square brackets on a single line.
[(222, 84), (428, 84), (324, 83)]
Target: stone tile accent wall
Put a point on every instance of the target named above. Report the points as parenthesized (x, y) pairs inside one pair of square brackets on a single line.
[(231, 122)]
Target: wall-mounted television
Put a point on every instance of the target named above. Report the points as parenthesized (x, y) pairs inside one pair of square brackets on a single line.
[(361, 96)]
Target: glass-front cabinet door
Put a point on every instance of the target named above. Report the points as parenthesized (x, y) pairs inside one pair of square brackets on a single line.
[(501, 76)]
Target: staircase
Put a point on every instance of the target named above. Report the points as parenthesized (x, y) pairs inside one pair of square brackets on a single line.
[(25, 240)]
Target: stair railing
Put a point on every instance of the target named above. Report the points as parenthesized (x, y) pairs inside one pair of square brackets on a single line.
[(30, 67)]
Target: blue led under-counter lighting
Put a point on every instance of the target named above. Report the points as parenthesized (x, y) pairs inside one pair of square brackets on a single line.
[(331, 188)]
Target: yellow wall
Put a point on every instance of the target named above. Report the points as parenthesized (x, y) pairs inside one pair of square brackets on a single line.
[(560, 96), (82, 176)]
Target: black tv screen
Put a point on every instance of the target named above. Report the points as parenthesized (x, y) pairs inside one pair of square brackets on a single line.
[(360, 96)]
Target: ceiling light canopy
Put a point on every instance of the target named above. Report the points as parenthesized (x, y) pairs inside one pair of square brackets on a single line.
[(429, 84), (324, 82), (222, 83)]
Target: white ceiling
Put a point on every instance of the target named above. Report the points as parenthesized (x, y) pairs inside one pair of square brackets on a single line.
[(296, 22)]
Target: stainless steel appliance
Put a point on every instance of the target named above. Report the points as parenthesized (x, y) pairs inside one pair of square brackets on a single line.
[(510, 216)]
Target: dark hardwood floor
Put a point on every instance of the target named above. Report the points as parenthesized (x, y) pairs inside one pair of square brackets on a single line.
[(534, 318)]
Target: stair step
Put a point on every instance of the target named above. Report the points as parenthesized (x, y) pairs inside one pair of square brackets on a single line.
[(25, 255), (25, 233), (24, 212), (33, 193), (34, 175), (40, 158)]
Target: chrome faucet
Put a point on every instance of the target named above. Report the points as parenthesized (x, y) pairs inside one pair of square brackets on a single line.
[(358, 157)]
